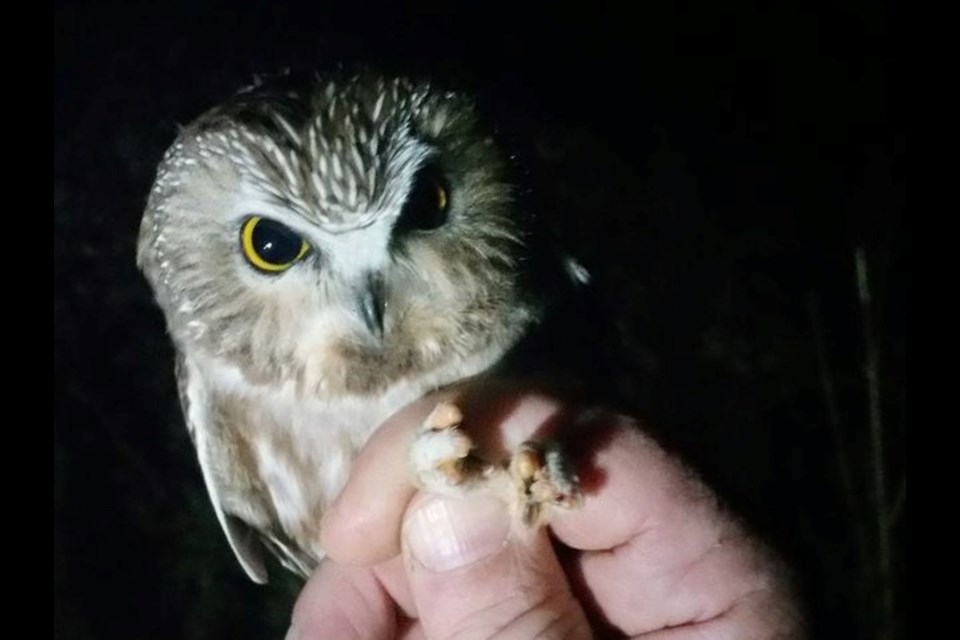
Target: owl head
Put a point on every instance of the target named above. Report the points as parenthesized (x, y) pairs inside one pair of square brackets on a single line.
[(341, 236)]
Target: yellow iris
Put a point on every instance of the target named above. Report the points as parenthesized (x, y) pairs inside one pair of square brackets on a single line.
[(441, 198), (270, 246)]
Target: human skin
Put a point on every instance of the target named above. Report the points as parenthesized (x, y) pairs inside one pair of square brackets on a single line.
[(650, 553)]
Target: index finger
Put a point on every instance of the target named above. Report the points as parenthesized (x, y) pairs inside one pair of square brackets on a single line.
[(658, 551)]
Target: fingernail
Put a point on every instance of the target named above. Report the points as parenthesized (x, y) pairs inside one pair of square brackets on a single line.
[(444, 533)]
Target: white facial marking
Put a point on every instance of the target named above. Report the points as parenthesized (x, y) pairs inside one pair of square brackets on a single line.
[(360, 251)]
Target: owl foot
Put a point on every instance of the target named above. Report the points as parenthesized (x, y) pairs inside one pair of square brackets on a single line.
[(443, 456), (543, 476), (538, 476)]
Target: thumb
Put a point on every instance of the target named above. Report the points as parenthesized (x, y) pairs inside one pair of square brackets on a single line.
[(472, 575)]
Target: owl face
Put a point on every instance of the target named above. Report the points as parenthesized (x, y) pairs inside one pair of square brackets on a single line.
[(342, 237)]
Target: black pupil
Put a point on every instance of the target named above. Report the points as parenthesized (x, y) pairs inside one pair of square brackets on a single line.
[(274, 243), (425, 209)]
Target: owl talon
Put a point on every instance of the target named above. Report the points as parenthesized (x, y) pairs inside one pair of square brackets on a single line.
[(542, 476), (445, 415)]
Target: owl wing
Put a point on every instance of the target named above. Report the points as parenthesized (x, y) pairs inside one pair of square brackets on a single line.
[(204, 430)]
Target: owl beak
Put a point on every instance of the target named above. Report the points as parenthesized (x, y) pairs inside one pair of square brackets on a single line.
[(372, 303)]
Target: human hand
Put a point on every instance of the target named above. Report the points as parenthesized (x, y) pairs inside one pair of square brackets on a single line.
[(649, 554)]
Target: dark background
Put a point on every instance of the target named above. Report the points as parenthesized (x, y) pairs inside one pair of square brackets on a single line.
[(715, 164)]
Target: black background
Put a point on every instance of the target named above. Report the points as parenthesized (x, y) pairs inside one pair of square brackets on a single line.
[(717, 164)]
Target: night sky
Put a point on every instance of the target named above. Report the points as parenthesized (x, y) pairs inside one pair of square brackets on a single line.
[(715, 165)]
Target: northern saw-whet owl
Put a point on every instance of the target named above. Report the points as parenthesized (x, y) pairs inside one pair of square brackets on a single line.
[(325, 253)]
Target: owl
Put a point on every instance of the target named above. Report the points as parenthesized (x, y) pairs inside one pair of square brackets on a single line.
[(325, 252)]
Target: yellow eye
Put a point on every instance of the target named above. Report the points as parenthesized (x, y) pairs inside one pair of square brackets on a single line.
[(270, 246)]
